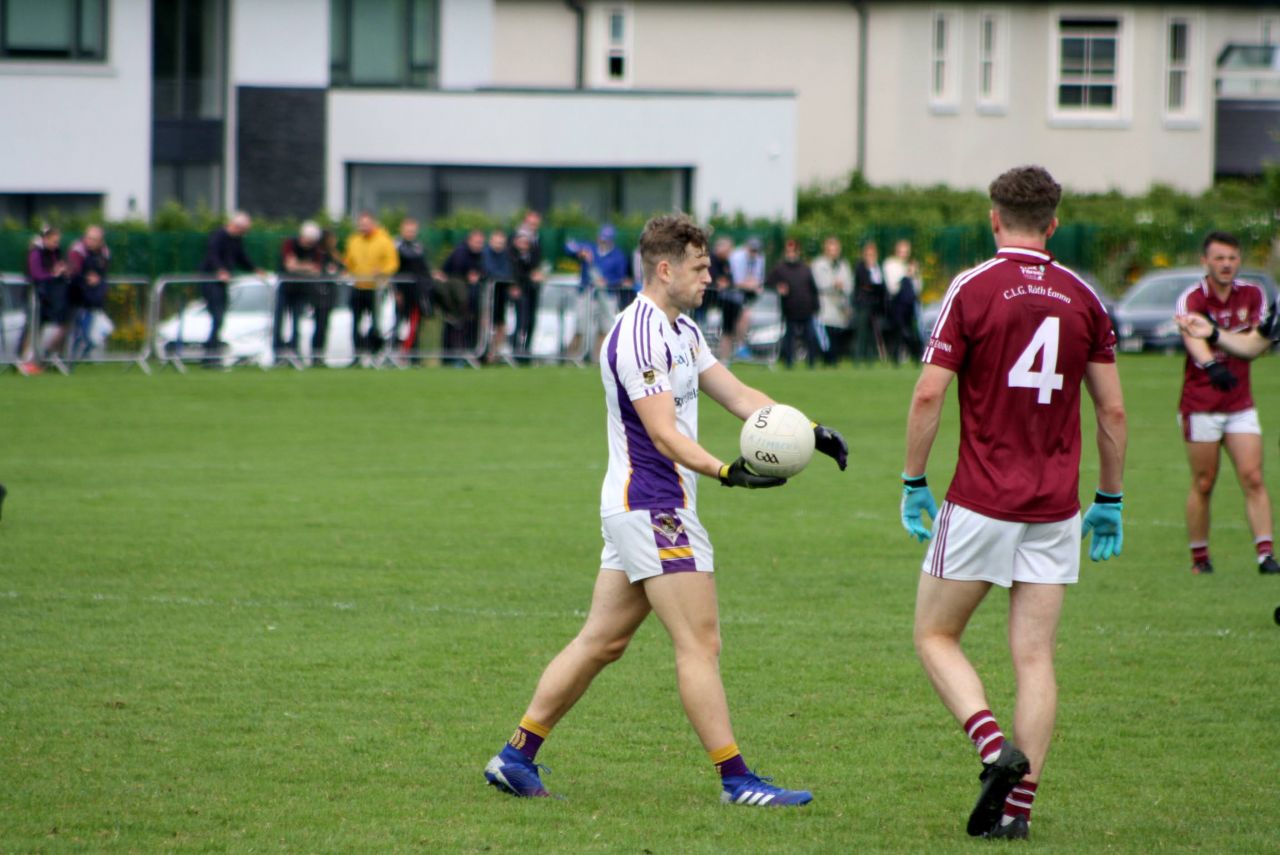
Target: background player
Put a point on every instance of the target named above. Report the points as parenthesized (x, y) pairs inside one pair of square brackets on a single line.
[(657, 556), (1216, 409), (1021, 332)]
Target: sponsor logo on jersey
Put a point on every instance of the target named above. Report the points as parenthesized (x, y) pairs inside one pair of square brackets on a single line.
[(1036, 272)]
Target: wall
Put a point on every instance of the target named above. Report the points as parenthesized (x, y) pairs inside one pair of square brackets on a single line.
[(742, 148), (466, 43), (911, 144), (534, 44), (75, 127)]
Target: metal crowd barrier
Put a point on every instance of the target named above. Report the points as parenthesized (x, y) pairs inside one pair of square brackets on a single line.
[(17, 308), (118, 332), (559, 321)]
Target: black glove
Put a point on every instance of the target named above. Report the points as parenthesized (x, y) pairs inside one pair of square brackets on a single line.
[(1220, 376), (738, 474), (1268, 327), (831, 443)]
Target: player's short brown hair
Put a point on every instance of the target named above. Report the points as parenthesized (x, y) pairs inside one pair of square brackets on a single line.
[(669, 237), (1026, 197), (1224, 238)]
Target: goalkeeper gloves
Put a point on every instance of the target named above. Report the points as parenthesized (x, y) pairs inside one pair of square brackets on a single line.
[(917, 499), (1103, 519), (1220, 376), (831, 443), (738, 474)]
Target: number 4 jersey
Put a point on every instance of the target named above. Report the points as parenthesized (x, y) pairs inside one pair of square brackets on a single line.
[(1018, 330)]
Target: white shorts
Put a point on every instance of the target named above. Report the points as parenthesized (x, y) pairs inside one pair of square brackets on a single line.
[(1211, 427), (647, 543), (968, 546)]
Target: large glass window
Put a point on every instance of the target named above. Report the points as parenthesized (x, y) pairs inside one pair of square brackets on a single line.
[(384, 43), (1088, 55), (427, 192), (187, 59), (53, 29), (194, 186)]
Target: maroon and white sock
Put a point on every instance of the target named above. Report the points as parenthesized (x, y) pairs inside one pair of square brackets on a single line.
[(1199, 551), (1019, 801), (1263, 545), (986, 735)]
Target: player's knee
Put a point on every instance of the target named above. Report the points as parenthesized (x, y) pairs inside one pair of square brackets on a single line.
[(605, 649), (1202, 483), (1251, 480)]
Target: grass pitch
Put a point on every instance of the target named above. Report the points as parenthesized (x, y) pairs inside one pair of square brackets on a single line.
[(298, 612)]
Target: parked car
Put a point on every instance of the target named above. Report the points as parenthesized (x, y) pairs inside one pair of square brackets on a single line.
[(246, 327), (1144, 315)]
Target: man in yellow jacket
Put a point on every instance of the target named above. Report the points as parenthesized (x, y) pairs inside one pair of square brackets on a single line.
[(370, 257)]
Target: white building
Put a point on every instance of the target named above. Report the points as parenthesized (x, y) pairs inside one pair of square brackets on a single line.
[(285, 107)]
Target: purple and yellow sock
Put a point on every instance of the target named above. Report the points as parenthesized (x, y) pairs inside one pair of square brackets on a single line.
[(528, 737), (728, 760)]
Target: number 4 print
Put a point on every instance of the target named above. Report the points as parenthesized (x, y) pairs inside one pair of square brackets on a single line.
[(1022, 375)]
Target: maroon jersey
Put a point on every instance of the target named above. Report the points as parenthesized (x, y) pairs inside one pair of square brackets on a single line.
[(1018, 331), (1242, 310)]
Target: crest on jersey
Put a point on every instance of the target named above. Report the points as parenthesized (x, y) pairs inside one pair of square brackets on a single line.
[(668, 525), (1243, 313), (649, 376)]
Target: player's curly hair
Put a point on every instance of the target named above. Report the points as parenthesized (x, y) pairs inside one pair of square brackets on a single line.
[(669, 237), (1026, 198)]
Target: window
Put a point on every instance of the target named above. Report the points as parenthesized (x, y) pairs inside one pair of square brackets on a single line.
[(1181, 54), (392, 43), (53, 29), (1087, 64), (187, 53), (944, 85), (614, 31), (993, 62)]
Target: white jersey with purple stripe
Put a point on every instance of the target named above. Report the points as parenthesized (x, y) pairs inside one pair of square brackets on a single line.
[(645, 354)]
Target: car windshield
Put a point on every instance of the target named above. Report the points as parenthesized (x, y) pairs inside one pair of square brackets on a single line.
[(1163, 292), (1159, 293)]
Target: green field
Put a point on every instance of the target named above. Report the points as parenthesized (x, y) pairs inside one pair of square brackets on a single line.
[(293, 612)]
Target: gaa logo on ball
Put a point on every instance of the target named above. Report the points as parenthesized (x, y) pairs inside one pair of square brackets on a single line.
[(777, 440)]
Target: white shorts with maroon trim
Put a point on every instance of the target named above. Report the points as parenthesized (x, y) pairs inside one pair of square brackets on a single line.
[(650, 543), (970, 547), (1211, 427)]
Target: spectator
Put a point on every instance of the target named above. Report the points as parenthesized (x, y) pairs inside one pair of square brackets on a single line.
[(528, 277), (370, 258), (301, 258), (902, 286), (224, 255), (608, 268), (799, 296), (868, 305), (834, 278), (746, 264), (87, 265), (498, 269), (728, 299), (531, 225), (459, 294), (413, 298), (47, 271)]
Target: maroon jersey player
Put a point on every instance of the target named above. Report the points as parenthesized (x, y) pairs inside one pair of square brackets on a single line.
[(1018, 335), (1216, 410)]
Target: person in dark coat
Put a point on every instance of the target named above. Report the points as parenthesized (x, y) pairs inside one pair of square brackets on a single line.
[(224, 255), (793, 280)]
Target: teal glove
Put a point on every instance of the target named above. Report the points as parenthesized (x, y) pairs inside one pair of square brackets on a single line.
[(1103, 518), (916, 498)]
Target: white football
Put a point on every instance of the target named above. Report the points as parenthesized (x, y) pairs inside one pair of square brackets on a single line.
[(777, 440)]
